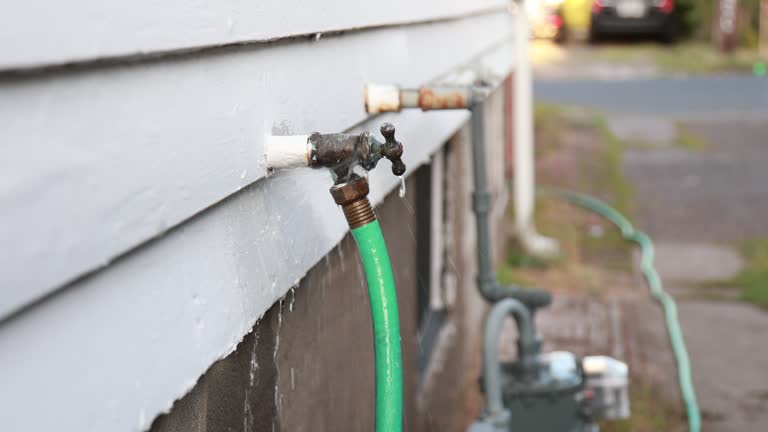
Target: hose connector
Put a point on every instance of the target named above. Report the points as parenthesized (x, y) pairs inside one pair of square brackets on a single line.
[(341, 153), (352, 196)]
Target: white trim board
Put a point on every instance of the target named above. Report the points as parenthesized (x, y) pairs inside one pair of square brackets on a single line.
[(36, 33), (93, 163)]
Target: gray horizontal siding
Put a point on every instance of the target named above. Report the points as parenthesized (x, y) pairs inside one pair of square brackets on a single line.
[(97, 161), (149, 177), (36, 33)]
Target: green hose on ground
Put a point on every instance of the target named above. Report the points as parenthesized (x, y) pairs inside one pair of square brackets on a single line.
[(657, 291), (386, 327)]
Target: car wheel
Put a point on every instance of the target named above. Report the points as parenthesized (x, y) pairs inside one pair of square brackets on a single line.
[(594, 36), (669, 32), (668, 35)]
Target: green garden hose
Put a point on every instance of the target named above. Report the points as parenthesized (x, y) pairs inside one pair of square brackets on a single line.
[(657, 291), (386, 327)]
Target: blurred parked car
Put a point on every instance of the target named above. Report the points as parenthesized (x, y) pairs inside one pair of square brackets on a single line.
[(623, 17), (545, 18), (550, 24), (560, 19)]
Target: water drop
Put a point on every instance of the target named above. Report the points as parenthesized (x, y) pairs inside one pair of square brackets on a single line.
[(408, 207), (274, 353), (402, 187), (341, 256), (293, 298), (254, 369)]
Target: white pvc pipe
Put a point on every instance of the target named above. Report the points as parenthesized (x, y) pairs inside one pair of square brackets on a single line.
[(287, 151), (524, 183), (382, 98)]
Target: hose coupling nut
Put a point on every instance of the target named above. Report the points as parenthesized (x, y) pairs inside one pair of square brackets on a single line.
[(352, 196)]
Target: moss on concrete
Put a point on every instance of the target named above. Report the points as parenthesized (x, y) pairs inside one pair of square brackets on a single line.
[(585, 239), (688, 58), (689, 140), (753, 279), (613, 179), (750, 285), (649, 413)]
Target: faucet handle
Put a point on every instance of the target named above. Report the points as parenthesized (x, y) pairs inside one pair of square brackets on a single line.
[(393, 149)]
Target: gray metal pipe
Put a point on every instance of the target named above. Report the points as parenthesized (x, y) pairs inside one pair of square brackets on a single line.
[(481, 200), (490, 289), (527, 352)]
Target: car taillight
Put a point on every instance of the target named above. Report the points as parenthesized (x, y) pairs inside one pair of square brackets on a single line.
[(665, 6), (555, 21), (597, 6)]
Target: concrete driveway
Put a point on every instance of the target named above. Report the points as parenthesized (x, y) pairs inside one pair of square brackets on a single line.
[(698, 206)]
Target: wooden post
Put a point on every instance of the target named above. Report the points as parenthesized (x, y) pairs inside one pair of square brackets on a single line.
[(725, 25), (763, 31)]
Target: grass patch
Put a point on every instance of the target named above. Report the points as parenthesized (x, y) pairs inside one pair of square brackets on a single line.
[(594, 161), (690, 57), (604, 173), (690, 141), (637, 144), (753, 279), (549, 123), (649, 413), (612, 179), (507, 275), (600, 172)]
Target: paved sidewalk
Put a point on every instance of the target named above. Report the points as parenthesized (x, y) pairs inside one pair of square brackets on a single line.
[(698, 206)]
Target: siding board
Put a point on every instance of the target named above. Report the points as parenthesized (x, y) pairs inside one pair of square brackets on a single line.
[(95, 162), (37, 33)]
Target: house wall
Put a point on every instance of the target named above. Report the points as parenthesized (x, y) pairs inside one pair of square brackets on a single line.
[(307, 365), (142, 238)]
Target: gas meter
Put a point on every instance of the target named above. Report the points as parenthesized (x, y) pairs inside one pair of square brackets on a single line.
[(553, 391)]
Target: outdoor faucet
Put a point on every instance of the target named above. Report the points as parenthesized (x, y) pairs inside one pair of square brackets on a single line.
[(341, 153)]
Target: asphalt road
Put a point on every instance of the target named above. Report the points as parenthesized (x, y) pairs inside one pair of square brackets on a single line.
[(688, 97)]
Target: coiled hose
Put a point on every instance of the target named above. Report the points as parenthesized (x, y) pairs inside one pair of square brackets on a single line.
[(386, 326), (629, 233)]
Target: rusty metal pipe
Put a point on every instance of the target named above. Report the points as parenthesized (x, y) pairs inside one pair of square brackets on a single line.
[(385, 98)]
